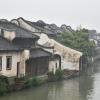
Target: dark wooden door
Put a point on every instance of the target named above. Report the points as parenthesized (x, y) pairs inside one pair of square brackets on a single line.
[(18, 64), (37, 66)]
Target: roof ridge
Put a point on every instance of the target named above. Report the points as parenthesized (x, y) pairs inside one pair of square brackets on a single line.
[(16, 28)]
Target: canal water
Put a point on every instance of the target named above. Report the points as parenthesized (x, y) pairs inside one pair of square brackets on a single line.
[(85, 87)]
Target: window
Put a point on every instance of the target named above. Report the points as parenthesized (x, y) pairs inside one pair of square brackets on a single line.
[(0, 63), (8, 62)]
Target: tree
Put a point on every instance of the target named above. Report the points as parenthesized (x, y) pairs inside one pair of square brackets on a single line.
[(79, 41)]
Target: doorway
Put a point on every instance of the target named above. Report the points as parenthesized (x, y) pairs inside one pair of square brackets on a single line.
[(18, 64)]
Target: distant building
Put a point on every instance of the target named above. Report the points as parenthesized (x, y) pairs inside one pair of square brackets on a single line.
[(93, 36)]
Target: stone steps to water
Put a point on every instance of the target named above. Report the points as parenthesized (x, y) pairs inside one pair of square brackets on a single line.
[(19, 84)]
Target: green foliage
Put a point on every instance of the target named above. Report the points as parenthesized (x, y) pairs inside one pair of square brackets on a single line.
[(3, 88), (31, 82), (79, 41), (36, 81), (59, 75), (28, 82)]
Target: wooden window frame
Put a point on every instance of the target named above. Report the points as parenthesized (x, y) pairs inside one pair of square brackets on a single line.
[(8, 66), (1, 63)]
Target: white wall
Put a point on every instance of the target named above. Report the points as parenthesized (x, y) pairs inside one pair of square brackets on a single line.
[(69, 65), (24, 56), (52, 65), (69, 57), (9, 35), (15, 59)]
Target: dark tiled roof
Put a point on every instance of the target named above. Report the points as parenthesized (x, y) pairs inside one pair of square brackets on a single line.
[(7, 25), (25, 43), (20, 32), (38, 52), (33, 24), (40, 26), (6, 45)]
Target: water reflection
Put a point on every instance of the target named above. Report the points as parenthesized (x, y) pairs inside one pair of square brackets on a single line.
[(86, 87), (38, 93), (68, 90)]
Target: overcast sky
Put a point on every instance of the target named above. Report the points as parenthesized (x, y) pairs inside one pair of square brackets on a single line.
[(69, 12)]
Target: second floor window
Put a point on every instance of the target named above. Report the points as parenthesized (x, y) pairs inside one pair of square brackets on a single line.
[(8, 62)]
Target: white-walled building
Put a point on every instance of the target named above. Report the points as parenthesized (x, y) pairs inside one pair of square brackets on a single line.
[(10, 59), (19, 55), (70, 58)]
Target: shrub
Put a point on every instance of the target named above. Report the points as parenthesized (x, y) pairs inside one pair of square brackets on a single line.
[(3, 88), (36, 81), (28, 83), (59, 75), (31, 82)]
